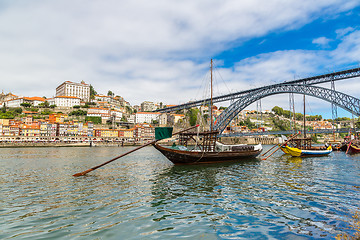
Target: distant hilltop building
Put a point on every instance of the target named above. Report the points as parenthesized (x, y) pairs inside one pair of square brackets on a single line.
[(80, 90), (64, 101), (4, 97), (16, 102), (148, 106)]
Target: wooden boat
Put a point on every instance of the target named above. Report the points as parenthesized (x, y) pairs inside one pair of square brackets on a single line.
[(301, 147), (354, 149), (207, 151), (296, 152), (284, 149)]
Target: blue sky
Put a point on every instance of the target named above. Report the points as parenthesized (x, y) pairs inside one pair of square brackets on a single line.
[(160, 50), (302, 38)]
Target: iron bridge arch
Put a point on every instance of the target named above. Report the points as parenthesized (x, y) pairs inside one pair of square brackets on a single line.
[(342, 100)]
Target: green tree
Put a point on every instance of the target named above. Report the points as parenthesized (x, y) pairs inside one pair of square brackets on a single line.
[(314, 138), (25, 104), (287, 113), (18, 110), (92, 92), (357, 124), (52, 106), (110, 93), (123, 119), (3, 109), (299, 116), (78, 113), (46, 112), (95, 120), (192, 114), (7, 115), (44, 104), (278, 110), (76, 106), (90, 103), (280, 124), (249, 124)]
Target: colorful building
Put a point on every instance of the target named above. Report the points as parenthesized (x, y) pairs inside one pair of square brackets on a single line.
[(32, 130)]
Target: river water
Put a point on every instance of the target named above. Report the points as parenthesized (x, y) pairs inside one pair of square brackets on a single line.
[(144, 196)]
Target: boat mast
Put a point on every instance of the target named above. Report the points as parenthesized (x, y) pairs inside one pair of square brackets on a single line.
[(211, 96), (304, 119)]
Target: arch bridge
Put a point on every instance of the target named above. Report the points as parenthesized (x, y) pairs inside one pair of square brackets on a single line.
[(342, 100), (300, 86)]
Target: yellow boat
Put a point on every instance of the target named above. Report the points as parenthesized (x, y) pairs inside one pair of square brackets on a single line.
[(284, 149), (296, 152)]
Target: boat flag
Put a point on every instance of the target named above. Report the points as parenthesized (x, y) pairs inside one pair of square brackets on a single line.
[(163, 132)]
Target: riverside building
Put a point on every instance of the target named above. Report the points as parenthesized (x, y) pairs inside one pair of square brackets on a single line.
[(80, 90), (64, 101)]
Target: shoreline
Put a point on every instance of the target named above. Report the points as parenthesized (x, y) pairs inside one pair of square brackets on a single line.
[(42, 144)]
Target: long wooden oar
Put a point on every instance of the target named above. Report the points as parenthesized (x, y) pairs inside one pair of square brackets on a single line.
[(281, 146), (122, 155), (268, 150), (347, 150)]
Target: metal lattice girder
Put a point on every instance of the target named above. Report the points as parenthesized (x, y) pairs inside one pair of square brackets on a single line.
[(351, 73), (317, 131), (342, 100)]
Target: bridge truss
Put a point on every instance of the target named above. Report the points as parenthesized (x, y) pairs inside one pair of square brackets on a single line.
[(342, 100), (300, 86), (317, 131), (331, 77)]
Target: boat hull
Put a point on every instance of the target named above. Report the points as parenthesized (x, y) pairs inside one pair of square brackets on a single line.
[(354, 149), (343, 147), (196, 157), (296, 152), (285, 150)]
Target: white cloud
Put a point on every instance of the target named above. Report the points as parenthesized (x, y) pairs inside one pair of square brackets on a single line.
[(349, 49), (344, 31), (282, 66), (148, 50), (322, 41)]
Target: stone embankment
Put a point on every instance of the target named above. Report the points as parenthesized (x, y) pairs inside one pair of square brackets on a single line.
[(225, 140)]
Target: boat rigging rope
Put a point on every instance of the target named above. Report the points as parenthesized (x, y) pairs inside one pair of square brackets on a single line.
[(197, 137), (202, 155)]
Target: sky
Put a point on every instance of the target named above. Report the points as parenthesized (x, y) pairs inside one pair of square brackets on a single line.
[(160, 50)]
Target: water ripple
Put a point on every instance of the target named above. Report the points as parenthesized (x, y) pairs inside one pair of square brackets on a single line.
[(143, 196)]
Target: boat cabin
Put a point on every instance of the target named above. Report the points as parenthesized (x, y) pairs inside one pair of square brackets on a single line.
[(205, 140)]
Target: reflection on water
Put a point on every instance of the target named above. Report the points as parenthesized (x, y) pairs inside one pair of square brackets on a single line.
[(144, 196)]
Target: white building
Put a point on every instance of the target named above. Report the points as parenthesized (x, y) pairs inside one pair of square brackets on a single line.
[(104, 113), (146, 117), (64, 101), (80, 90), (117, 114), (34, 101), (148, 106), (131, 118), (104, 98), (6, 97), (98, 111)]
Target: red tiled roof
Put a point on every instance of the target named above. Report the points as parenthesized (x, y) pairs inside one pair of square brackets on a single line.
[(67, 97), (148, 113)]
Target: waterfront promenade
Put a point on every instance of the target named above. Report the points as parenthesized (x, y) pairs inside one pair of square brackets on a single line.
[(6, 142)]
